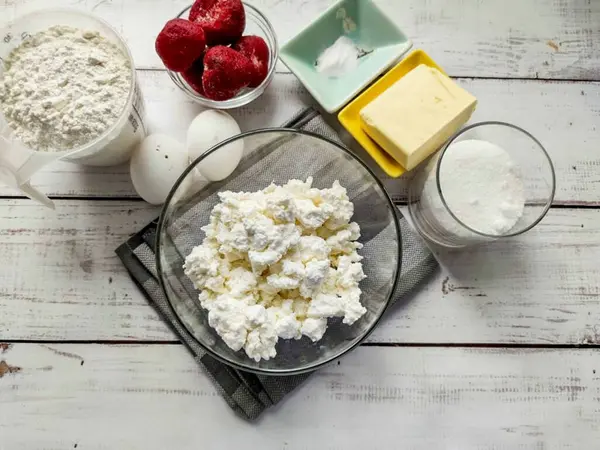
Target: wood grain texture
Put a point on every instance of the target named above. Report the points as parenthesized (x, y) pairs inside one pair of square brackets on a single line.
[(155, 397), (564, 116), (62, 281), (78, 278), (512, 38)]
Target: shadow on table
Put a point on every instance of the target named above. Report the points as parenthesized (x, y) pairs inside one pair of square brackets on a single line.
[(492, 261)]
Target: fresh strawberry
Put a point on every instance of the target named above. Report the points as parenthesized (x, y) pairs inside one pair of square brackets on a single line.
[(226, 72), (223, 21), (193, 76), (180, 43)]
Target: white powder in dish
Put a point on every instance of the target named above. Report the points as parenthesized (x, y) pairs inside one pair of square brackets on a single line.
[(481, 186), (64, 87), (278, 263), (338, 59)]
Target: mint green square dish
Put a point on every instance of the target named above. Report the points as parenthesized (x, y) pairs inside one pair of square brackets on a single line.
[(370, 29)]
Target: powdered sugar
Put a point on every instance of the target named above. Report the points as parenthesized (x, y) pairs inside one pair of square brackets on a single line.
[(64, 87)]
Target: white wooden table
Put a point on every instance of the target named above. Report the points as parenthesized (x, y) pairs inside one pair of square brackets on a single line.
[(499, 351)]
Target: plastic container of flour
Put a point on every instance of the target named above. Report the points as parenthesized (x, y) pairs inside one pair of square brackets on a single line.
[(18, 162), (491, 180)]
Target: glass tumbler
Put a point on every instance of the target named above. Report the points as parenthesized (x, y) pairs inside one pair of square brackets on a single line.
[(438, 223)]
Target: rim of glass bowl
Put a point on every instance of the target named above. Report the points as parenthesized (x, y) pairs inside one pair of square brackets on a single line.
[(249, 368), (250, 95), (528, 134)]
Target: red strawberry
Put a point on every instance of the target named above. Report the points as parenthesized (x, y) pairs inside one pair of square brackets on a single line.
[(226, 72), (193, 76), (180, 43), (257, 51), (223, 20)]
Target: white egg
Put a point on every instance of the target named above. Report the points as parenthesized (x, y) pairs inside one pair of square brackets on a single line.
[(156, 164), (207, 130)]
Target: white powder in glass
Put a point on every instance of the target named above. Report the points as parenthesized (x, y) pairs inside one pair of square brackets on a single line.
[(481, 186), (339, 59), (63, 87)]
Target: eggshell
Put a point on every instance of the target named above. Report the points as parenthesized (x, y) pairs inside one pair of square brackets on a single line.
[(156, 164), (208, 129)]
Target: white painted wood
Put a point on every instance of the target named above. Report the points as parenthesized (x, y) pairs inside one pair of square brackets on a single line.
[(564, 116), (155, 397), (61, 280), (511, 38), (63, 265)]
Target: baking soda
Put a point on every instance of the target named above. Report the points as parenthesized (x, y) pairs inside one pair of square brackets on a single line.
[(339, 59)]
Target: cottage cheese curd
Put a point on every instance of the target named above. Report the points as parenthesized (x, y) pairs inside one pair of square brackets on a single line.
[(278, 263)]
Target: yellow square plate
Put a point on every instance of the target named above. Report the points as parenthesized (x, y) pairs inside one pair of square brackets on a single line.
[(349, 117)]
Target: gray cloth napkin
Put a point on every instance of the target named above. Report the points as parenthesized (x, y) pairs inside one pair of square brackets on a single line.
[(247, 393)]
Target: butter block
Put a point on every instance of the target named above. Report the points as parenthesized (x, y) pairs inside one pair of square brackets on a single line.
[(415, 116)]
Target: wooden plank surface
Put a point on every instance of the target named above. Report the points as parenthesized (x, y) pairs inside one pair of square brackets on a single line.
[(155, 397), (564, 116), (510, 38), (79, 280), (60, 279), (63, 281)]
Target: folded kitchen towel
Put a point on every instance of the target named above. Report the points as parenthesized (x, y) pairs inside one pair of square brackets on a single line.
[(247, 393)]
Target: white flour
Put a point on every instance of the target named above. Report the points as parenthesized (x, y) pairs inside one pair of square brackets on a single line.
[(481, 186), (64, 87)]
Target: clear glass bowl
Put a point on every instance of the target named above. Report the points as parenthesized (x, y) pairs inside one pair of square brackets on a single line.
[(256, 24), (434, 218), (278, 155)]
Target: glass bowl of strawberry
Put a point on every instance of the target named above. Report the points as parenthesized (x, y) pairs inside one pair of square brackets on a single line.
[(220, 53)]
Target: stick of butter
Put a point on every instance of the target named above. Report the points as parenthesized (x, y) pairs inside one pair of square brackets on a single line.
[(415, 116)]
